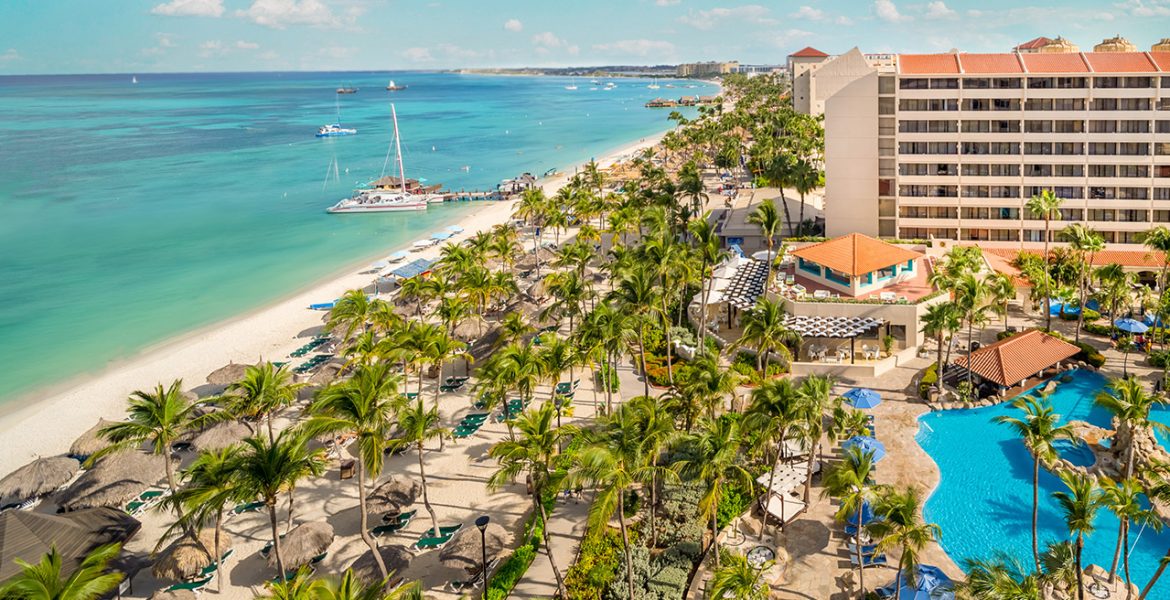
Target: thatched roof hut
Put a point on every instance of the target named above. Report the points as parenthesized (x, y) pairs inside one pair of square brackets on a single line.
[(186, 556), (465, 550), (30, 535), (304, 543), (38, 478), (221, 435), (90, 442), (163, 594), (116, 479), (228, 374), (396, 559), (393, 496)]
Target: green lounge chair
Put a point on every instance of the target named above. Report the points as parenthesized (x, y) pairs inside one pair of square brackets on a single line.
[(190, 586), (464, 432), (320, 557), (387, 529), (247, 508), (209, 570), (430, 543), (290, 575), (445, 530)]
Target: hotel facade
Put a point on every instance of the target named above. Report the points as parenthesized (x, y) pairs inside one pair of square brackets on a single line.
[(952, 146)]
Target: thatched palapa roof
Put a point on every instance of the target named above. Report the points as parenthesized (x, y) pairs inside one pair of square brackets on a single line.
[(116, 479), (396, 559), (38, 478), (393, 496), (90, 442), (30, 535), (304, 543), (465, 550), (228, 374), (186, 556)]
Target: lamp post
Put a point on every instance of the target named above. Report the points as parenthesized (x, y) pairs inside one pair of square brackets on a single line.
[(482, 523)]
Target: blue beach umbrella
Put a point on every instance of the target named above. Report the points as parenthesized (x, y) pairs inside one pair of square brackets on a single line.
[(866, 515), (930, 583), (442, 235), (455, 229), (862, 398), (867, 445), (1131, 325)]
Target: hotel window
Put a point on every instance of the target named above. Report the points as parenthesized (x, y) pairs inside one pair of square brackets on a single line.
[(1102, 193), (928, 127), (1104, 104), (885, 85), (1161, 170), (1162, 126), (1162, 216), (923, 169), (1106, 82), (1162, 148), (1166, 82), (1137, 82), (836, 277), (1040, 83), (887, 272), (1068, 104), (928, 147), (1133, 126), (976, 126), (1038, 148), (1066, 83), (1128, 237), (1133, 104), (947, 83), (976, 191), (1133, 171), (1038, 126), (886, 106), (1164, 103), (1102, 148), (1067, 192), (1068, 126), (1005, 126), (1102, 170), (1068, 148), (809, 267), (885, 187), (1133, 149), (1132, 216), (985, 170), (1006, 83), (1099, 214), (928, 104), (972, 83), (1133, 193), (1068, 170), (1038, 104), (1161, 194), (1004, 191), (977, 104), (1102, 126), (914, 84), (1071, 214), (1037, 170)]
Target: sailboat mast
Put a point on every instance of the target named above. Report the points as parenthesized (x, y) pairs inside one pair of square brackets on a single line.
[(398, 149)]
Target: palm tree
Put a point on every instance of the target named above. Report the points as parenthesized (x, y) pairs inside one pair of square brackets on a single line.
[(805, 178), (1124, 500), (417, 425), (533, 454), (1158, 240), (690, 186), (1127, 399), (768, 220), (1079, 505), (706, 244), (269, 467), (521, 365), (1046, 206), (849, 482), (1039, 429), (159, 417), (815, 401), (970, 293), (902, 527), (1086, 243), (764, 327), (738, 580), (46, 580), (1001, 290), (350, 313), (939, 321), (711, 456), (637, 293), (349, 587), (999, 578), (775, 408), (264, 390), (210, 486), (364, 406)]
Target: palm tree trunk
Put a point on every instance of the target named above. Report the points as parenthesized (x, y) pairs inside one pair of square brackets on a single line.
[(860, 557), (642, 354), (809, 473), (1125, 562), (170, 470), (1161, 567), (970, 339), (1117, 551), (218, 552), (704, 293), (938, 370), (538, 496), (800, 223), (422, 475), (625, 544), (669, 347), (653, 507), (271, 433), (289, 523), (1047, 280), (715, 534), (768, 492), (365, 527), (438, 383), (898, 580), (1080, 570), (1035, 510), (275, 538)]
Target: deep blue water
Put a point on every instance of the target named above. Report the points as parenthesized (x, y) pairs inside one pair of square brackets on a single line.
[(984, 500), (131, 213)]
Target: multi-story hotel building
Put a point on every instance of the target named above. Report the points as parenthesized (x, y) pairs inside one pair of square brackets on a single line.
[(952, 146)]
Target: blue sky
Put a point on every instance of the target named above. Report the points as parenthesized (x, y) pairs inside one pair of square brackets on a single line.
[(130, 36)]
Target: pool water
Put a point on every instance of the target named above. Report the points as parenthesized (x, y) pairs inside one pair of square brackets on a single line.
[(984, 499)]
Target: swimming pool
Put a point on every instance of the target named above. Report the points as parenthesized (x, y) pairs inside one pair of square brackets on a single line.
[(984, 499)]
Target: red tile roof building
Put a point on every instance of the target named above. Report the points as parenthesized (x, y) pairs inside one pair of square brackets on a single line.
[(1014, 359)]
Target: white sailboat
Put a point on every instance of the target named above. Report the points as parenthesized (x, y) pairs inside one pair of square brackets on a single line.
[(133, 79), (373, 200), (335, 129)]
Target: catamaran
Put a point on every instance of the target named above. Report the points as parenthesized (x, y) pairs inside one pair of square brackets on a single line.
[(385, 200), (335, 129), (392, 87)]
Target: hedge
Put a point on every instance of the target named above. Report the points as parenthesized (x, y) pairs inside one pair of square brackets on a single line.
[(606, 372), (1158, 358), (512, 570), (928, 381)]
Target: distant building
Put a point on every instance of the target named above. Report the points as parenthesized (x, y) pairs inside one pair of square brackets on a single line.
[(706, 69), (1033, 46), (734, 229), (755, 70)]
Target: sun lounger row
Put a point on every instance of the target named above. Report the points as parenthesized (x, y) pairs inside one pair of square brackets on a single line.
[(513, 407), (452, 384), (312, 363), (469, 425), (566, 388), (205, 576), (144, 501), (247, 507), (393, 523), (309, 347), (431, 540)]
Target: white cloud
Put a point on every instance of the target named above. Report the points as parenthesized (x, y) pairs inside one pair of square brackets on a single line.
[(513, 25), (162, 43), (787, 38), (637, 48), (709, 19), (190, 8), (939, 10), (418, 54), (666, 2), (269, 55), (843, 20), (1146, 8), (211, 48), (9, 55), (887, 11), (809, 13), (547, 41), (279, 14), (242, 45)]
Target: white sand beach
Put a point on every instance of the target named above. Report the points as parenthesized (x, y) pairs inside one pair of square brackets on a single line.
[(47, 426)]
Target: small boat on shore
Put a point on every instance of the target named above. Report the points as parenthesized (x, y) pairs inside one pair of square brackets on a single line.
[(347, 90), (393, 87)]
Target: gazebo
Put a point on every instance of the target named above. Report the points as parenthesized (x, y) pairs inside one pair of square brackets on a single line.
[(856, 264), (1012, 360), (833, 328)]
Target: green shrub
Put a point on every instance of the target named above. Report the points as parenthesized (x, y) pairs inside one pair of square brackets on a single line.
[(735, 500), (1091, 315), (607, 373), (928, 381), (1003, 335), (509, 573), (1158, 358), (1098, 328), (1090, 355), (597, 562)]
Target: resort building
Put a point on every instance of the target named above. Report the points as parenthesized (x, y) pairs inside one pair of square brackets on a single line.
[(952, 146), (706, 69), (734, 229), (856, 265)]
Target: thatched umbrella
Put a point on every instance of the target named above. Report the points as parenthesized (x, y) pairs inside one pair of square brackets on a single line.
[(116, 479), (396, 559), (393, 496), (175, 595), (38, 478), (221, 435), (90, 442), (538, 290), (186, 556), (470, 329), (228, 374), (326, 373), (466, 548), (304, 543)]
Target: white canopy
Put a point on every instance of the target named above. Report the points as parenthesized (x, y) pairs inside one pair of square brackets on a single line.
[(791, 506)]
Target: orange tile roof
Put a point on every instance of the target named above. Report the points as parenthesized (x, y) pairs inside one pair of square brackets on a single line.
[(855, 254), (928, 64), (1034, 44), (808, 52), (1014, 359), (1120, 62), (1141, 259), (990, 63), (1162, 59), (1062, 62)]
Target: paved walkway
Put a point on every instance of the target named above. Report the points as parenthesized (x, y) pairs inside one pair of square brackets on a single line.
[(566, 527)]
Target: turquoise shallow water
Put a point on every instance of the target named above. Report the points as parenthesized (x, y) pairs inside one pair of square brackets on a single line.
[(984, 500), (132, 213)]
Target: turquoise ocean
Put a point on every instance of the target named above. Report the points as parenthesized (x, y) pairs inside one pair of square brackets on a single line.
[(134, 212)]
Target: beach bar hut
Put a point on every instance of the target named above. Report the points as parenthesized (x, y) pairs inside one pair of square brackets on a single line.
[(1011, 361)]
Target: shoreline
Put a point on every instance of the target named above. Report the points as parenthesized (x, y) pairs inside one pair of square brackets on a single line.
[(44, 421)]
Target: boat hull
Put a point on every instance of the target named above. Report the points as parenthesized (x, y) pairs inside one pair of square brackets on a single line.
[(353, 210)]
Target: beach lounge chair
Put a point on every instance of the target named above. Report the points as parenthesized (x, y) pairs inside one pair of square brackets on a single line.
[(394, 525), (464, 431), (290, 575), (869, 561), (430, 543), (191, 586), (240, 509), (400, 517), (865, 550), (209, 570)]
